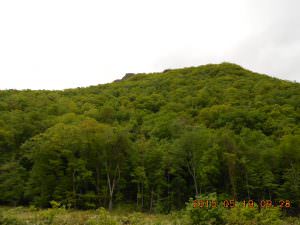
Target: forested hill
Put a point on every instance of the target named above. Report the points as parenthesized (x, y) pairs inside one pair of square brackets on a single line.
[(153, 140)]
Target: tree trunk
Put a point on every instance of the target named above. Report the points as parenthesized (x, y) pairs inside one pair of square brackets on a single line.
[(195, 182), (247, 183), (151, 201), (74, 188), (168, 181), (98, 184), (137, 195), (232, 181), (192, 172), (142, 195), (112, 185), (110, 206), (111, 192)]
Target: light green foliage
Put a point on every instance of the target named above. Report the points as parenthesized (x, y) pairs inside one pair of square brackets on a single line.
[(240, 214), (206, 215), (246, 215), (152, 141)]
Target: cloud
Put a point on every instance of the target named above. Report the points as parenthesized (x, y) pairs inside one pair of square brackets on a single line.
[(70, 43), (275, 50)]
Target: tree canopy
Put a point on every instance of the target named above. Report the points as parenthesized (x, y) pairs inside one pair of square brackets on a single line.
[(153, 140)]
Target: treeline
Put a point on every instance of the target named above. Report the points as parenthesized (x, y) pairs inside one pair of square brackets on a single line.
[(152, 141)]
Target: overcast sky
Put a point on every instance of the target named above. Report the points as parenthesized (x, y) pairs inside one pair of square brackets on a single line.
[(61, 44)]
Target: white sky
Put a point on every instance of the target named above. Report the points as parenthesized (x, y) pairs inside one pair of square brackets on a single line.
[(59, 44)]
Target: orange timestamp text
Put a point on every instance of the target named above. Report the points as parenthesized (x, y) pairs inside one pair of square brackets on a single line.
[(231, 203)]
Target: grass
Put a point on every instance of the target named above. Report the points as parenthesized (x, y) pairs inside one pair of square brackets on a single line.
[(60, 216), (24, 216)]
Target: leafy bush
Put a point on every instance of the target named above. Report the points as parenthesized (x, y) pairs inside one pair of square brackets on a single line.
[(205, 215), (269, 216), (237, 215), (241, 215)]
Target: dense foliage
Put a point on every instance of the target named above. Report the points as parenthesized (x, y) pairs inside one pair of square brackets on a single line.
[(152, 141)]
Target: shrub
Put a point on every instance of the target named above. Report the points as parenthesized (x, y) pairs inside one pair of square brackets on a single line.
[(241, 215), (205, 215)]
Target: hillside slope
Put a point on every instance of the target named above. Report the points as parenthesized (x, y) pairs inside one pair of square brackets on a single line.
[(153, 140)]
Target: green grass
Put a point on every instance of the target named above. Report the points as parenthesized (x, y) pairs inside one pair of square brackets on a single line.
[(22, 216), (60, 216)]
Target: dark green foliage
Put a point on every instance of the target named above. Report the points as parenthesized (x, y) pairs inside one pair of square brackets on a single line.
[(153, 140)]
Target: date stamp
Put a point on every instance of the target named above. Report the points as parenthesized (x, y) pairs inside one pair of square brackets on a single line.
[(231, 203)]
